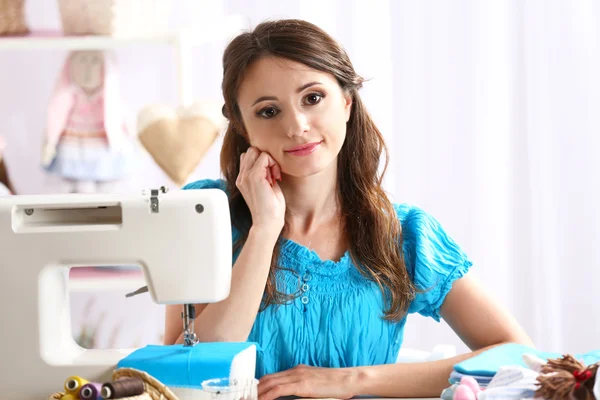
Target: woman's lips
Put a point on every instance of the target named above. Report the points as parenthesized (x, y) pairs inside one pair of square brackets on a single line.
[(304, 149)]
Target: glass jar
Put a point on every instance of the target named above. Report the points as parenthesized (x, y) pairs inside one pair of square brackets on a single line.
[(231, 389)]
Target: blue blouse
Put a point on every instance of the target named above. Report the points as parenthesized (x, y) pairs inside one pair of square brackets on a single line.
[(336, 320)]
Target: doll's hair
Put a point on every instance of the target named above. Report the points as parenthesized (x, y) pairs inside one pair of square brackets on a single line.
[(566, 378)]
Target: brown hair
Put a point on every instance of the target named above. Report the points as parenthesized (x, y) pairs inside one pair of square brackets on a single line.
[(374, 232), (566, 378)]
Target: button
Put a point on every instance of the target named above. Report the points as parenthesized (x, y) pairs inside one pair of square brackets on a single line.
[(304, 300), (307, 277), (305, 287)]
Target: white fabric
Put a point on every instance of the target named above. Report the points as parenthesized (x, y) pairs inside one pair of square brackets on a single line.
[(511, 382)]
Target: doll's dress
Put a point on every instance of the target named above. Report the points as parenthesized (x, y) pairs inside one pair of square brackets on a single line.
[(83, 151)]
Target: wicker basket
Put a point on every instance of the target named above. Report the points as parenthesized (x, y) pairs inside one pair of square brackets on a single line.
[(122, 18), (12, 18), (152, 386)]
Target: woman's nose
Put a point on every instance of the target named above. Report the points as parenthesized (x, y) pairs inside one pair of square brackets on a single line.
[(297, 124)]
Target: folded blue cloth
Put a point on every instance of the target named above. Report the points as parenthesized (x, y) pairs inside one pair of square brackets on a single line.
[(488, 362), (189, 366), (483, 381)]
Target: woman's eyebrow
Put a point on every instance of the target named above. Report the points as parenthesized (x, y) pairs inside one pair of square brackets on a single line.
[(300, 89), (306, 86)]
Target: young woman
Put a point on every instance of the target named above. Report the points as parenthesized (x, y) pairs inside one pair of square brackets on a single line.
[(326, 268)]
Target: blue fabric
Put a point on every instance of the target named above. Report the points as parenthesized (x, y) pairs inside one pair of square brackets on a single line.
[(182, 366), (336, 319), (488, 362)]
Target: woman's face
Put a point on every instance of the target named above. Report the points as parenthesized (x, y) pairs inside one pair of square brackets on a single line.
[(295, 113)]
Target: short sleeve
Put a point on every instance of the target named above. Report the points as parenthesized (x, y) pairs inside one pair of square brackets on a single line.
[(215, 184), (207, 184), (433, 260)]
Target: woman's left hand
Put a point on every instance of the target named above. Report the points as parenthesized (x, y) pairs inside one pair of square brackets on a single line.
[(305, 381)]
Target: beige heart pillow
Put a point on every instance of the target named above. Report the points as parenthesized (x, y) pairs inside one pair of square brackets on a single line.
[(177, 139)]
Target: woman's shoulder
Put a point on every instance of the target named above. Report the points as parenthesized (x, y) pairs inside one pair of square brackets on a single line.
[(207, 184), (413, 218), (422, 228), (433, 259)]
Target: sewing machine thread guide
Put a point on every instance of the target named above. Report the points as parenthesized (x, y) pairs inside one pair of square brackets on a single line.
[(141, 290), (154, 202)]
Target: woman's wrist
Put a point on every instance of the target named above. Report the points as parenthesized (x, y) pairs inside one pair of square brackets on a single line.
[(265, 233), (362, 379)]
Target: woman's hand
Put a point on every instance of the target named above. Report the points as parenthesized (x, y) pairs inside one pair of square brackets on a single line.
[(257, 181), (305, 381)]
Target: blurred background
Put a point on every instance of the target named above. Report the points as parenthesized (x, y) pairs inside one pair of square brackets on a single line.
[(490, 109)]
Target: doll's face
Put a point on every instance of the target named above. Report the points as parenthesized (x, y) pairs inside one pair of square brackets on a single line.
[(87, 69)]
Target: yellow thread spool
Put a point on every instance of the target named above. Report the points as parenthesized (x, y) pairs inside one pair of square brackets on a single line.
[(73, 385)]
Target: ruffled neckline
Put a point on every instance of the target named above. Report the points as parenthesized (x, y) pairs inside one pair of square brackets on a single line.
[(301, 255)]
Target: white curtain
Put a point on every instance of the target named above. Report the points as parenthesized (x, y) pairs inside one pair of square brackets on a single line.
[(491, 110)]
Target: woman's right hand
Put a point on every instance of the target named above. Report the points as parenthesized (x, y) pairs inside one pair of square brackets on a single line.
[(258, 183)]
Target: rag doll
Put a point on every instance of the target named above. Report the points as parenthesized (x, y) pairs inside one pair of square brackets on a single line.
[(87, 143), (567, 378)]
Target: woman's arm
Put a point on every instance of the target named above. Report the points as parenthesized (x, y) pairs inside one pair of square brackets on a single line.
[(231, 320), (479, 320)]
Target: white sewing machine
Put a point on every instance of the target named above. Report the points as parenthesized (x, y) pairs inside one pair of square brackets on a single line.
[(180, 239)]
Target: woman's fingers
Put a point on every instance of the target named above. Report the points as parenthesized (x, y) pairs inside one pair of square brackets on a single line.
[(276, 172), (261, 164), (249, 159)]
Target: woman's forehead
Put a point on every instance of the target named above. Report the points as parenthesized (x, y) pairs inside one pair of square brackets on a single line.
[(270, 76)]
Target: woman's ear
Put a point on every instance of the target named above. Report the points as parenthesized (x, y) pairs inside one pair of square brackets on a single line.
[(348, 105)]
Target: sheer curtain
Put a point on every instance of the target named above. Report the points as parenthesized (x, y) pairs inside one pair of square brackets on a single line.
[(491, 111)]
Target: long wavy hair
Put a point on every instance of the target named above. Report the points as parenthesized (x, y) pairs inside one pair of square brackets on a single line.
[(373, 232)]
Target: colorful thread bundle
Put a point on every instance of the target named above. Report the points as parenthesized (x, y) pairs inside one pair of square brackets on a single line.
[(91, 391), (78, 388), (124, 387), (73, 386)]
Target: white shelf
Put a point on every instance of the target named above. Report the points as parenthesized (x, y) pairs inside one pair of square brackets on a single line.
[(193, 36), (58, 41), (182, 41)]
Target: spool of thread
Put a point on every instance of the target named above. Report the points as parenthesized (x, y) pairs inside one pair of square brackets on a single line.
[(68, 397), (125, 387), (91, 391), (73, 385)]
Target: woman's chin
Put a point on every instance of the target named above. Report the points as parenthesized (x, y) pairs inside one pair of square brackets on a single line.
[(304, 171)]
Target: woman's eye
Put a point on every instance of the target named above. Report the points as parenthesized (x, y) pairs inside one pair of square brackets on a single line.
[(267, 113), (313, 98)]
